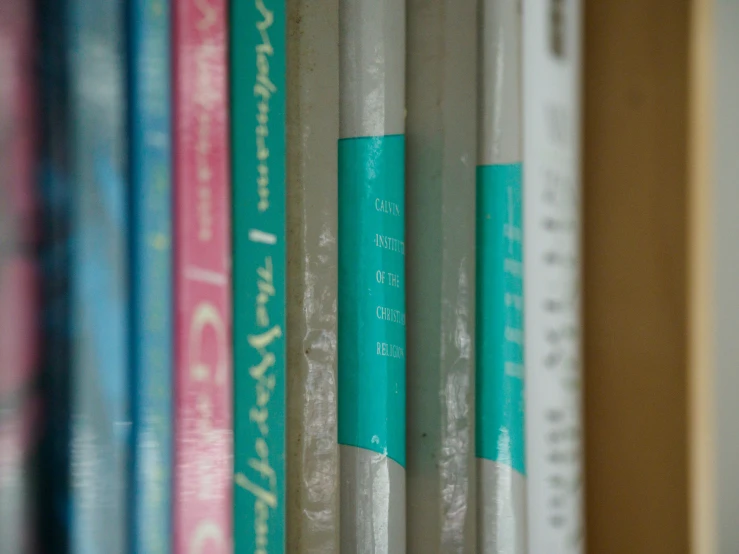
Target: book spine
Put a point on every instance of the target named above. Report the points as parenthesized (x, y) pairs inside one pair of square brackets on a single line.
[(100, 417), (499, 386), (151, 275), (203, 347), (441, 128), (20, 403), (55, 218), (552, 275), (312, 212), (258, 65), (371, 307)]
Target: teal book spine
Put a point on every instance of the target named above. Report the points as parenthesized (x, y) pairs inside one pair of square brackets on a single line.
[(150, 168), (258, 86)]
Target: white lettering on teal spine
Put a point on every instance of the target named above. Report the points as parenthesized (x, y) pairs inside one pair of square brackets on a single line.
[(385, 206), (390, 314), (389, 243), (390, 350)]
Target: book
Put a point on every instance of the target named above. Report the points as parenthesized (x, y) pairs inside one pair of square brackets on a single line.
[(551, 79), (55, 199), (312, 225), (20, 402), (149, 147), (258, 89), (203, 450), (499, 354), (99, 188), (371, 306), (441, 129)]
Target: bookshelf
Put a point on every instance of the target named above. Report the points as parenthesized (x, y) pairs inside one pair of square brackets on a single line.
[(660, 267), (635, 187)]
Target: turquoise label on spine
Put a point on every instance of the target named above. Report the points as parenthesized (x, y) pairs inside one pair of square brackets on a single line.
[(500, 345), (372, 294)]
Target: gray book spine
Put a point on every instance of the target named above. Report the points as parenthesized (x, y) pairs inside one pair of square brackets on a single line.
[(441, 157), (313, 132), (371, 307), (500, 384)]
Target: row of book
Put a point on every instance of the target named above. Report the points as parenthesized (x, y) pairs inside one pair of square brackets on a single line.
[(264, 280)]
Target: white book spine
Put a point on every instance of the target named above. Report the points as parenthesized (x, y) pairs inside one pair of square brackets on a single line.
[(552, 67)]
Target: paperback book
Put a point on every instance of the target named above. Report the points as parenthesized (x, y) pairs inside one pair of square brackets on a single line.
[(99, 190), (551, 79), (371, 280), (441, 126), (150, 162), (55, 245), (500, 303), (258, 89), (312, 225), (203, 456), (20, 403)]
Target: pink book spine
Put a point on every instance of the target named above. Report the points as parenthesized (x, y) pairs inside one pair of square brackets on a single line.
[(19, 273), (19, 277), (202, 274)]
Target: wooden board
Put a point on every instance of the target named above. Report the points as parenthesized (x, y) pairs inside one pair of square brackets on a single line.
[(635, 275)]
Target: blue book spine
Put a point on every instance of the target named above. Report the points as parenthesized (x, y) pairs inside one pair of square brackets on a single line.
[(151, 274), (100, 416)]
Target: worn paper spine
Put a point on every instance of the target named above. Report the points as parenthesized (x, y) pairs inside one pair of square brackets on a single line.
[(100, 415), (552, 275), (371, 307), (441, 128), (313, 131), (499, 387), (149, 145), (203, 457), (258, 96), (20, 402)]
